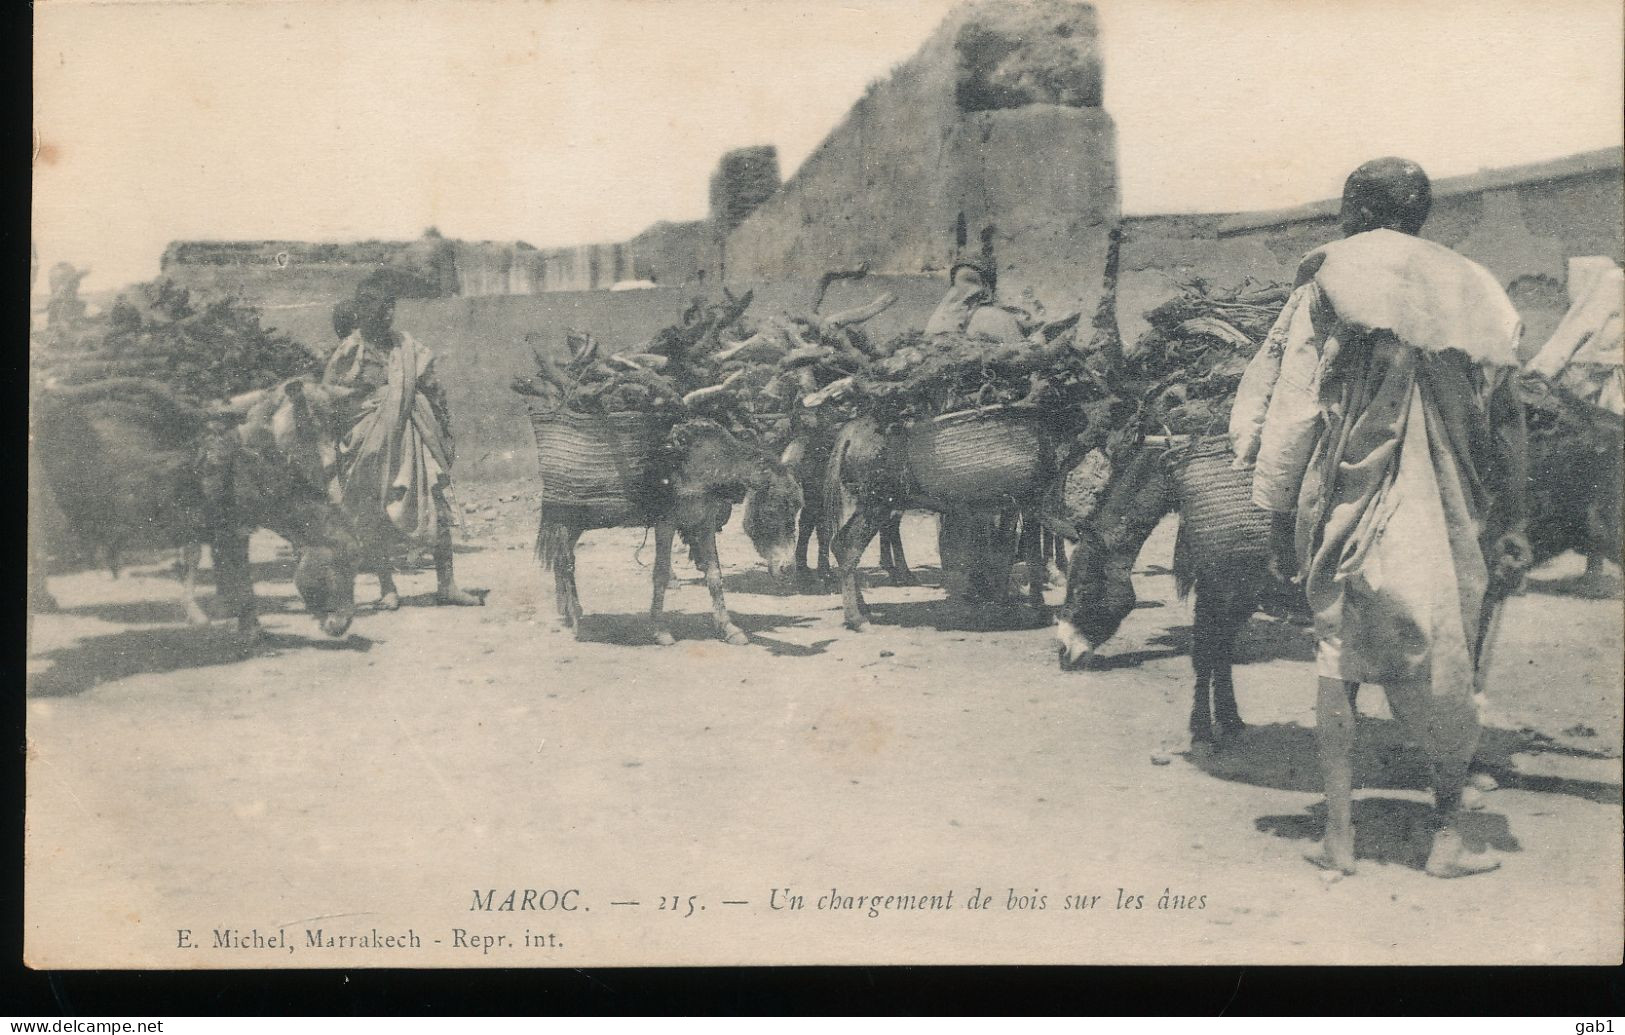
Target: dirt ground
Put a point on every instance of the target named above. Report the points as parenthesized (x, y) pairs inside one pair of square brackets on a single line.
[(176, 783)]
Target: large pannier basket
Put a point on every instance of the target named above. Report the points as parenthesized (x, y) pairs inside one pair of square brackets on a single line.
[(595, 459), (1218, 521), (982, 455)]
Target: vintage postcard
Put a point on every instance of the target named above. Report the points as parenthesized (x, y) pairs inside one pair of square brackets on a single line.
[(548, 483)]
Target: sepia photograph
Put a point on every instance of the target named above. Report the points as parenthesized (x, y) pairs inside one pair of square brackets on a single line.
[(566, 484)]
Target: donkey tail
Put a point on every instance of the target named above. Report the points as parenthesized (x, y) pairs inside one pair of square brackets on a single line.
[(836, 501), (553, 542)]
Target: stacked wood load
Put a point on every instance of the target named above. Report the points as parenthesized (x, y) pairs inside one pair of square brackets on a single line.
[(1189, 363), (206, 353)]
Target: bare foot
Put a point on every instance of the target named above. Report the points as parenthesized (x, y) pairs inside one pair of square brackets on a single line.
[(1450, 858), (735, 636), (388, 602), (1472, 799), (1335, 860), (664, 638), (451, 596), (195, 615)]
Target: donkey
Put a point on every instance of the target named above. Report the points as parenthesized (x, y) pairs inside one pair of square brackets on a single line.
[(807, 458), (867, 467), (1100, 591), (1230, 589), (690, 491), (130, 466)]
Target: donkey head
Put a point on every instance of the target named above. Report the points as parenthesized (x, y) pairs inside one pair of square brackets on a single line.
[(292, 432), (771, 511), (1099, 595), (1099, 578)]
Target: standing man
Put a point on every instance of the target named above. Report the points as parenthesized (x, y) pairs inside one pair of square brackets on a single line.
[(968, 542), (396, 461), (1383, 411)]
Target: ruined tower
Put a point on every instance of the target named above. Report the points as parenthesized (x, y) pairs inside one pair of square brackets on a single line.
[(991, 140)]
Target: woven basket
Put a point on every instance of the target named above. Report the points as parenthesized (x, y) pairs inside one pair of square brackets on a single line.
[(983, 455), (1218, 522), (592, 459)]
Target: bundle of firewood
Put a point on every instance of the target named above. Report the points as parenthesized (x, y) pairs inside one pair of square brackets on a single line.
[(1198, 346), (713, 364), (918, 376)]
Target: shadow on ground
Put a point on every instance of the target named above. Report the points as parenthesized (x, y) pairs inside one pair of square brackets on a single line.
[(1284, 757), (960, 616), (1395, 831), (1260, 640), (1585, 587), (133, 652), (635, 630), (757, 580)]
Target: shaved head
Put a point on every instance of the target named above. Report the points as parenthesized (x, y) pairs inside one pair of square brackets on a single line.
[(1386, 193)]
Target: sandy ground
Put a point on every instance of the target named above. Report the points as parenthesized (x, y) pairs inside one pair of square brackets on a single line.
[(375, 783)]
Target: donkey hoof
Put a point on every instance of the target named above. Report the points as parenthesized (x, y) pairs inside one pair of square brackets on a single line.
[(1230, 730), (664, 638)]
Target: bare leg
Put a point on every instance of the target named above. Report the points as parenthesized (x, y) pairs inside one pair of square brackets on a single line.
[(662, 579), (1447, 728), (191, 558), (713, 582), (1334, 730), (446, 591), (850, 542)]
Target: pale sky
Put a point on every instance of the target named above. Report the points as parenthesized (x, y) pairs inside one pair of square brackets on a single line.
[(571, 121)]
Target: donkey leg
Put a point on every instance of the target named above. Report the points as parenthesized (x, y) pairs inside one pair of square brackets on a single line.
[(713, 582), (1055, 554), (562, 550), (572, 596), (1203, 634), (191, 558), (234, 584), (804, 534), (1033, 554), (892, 536), (662, 580), (389, 597), (1234, 610), (850, 542)]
